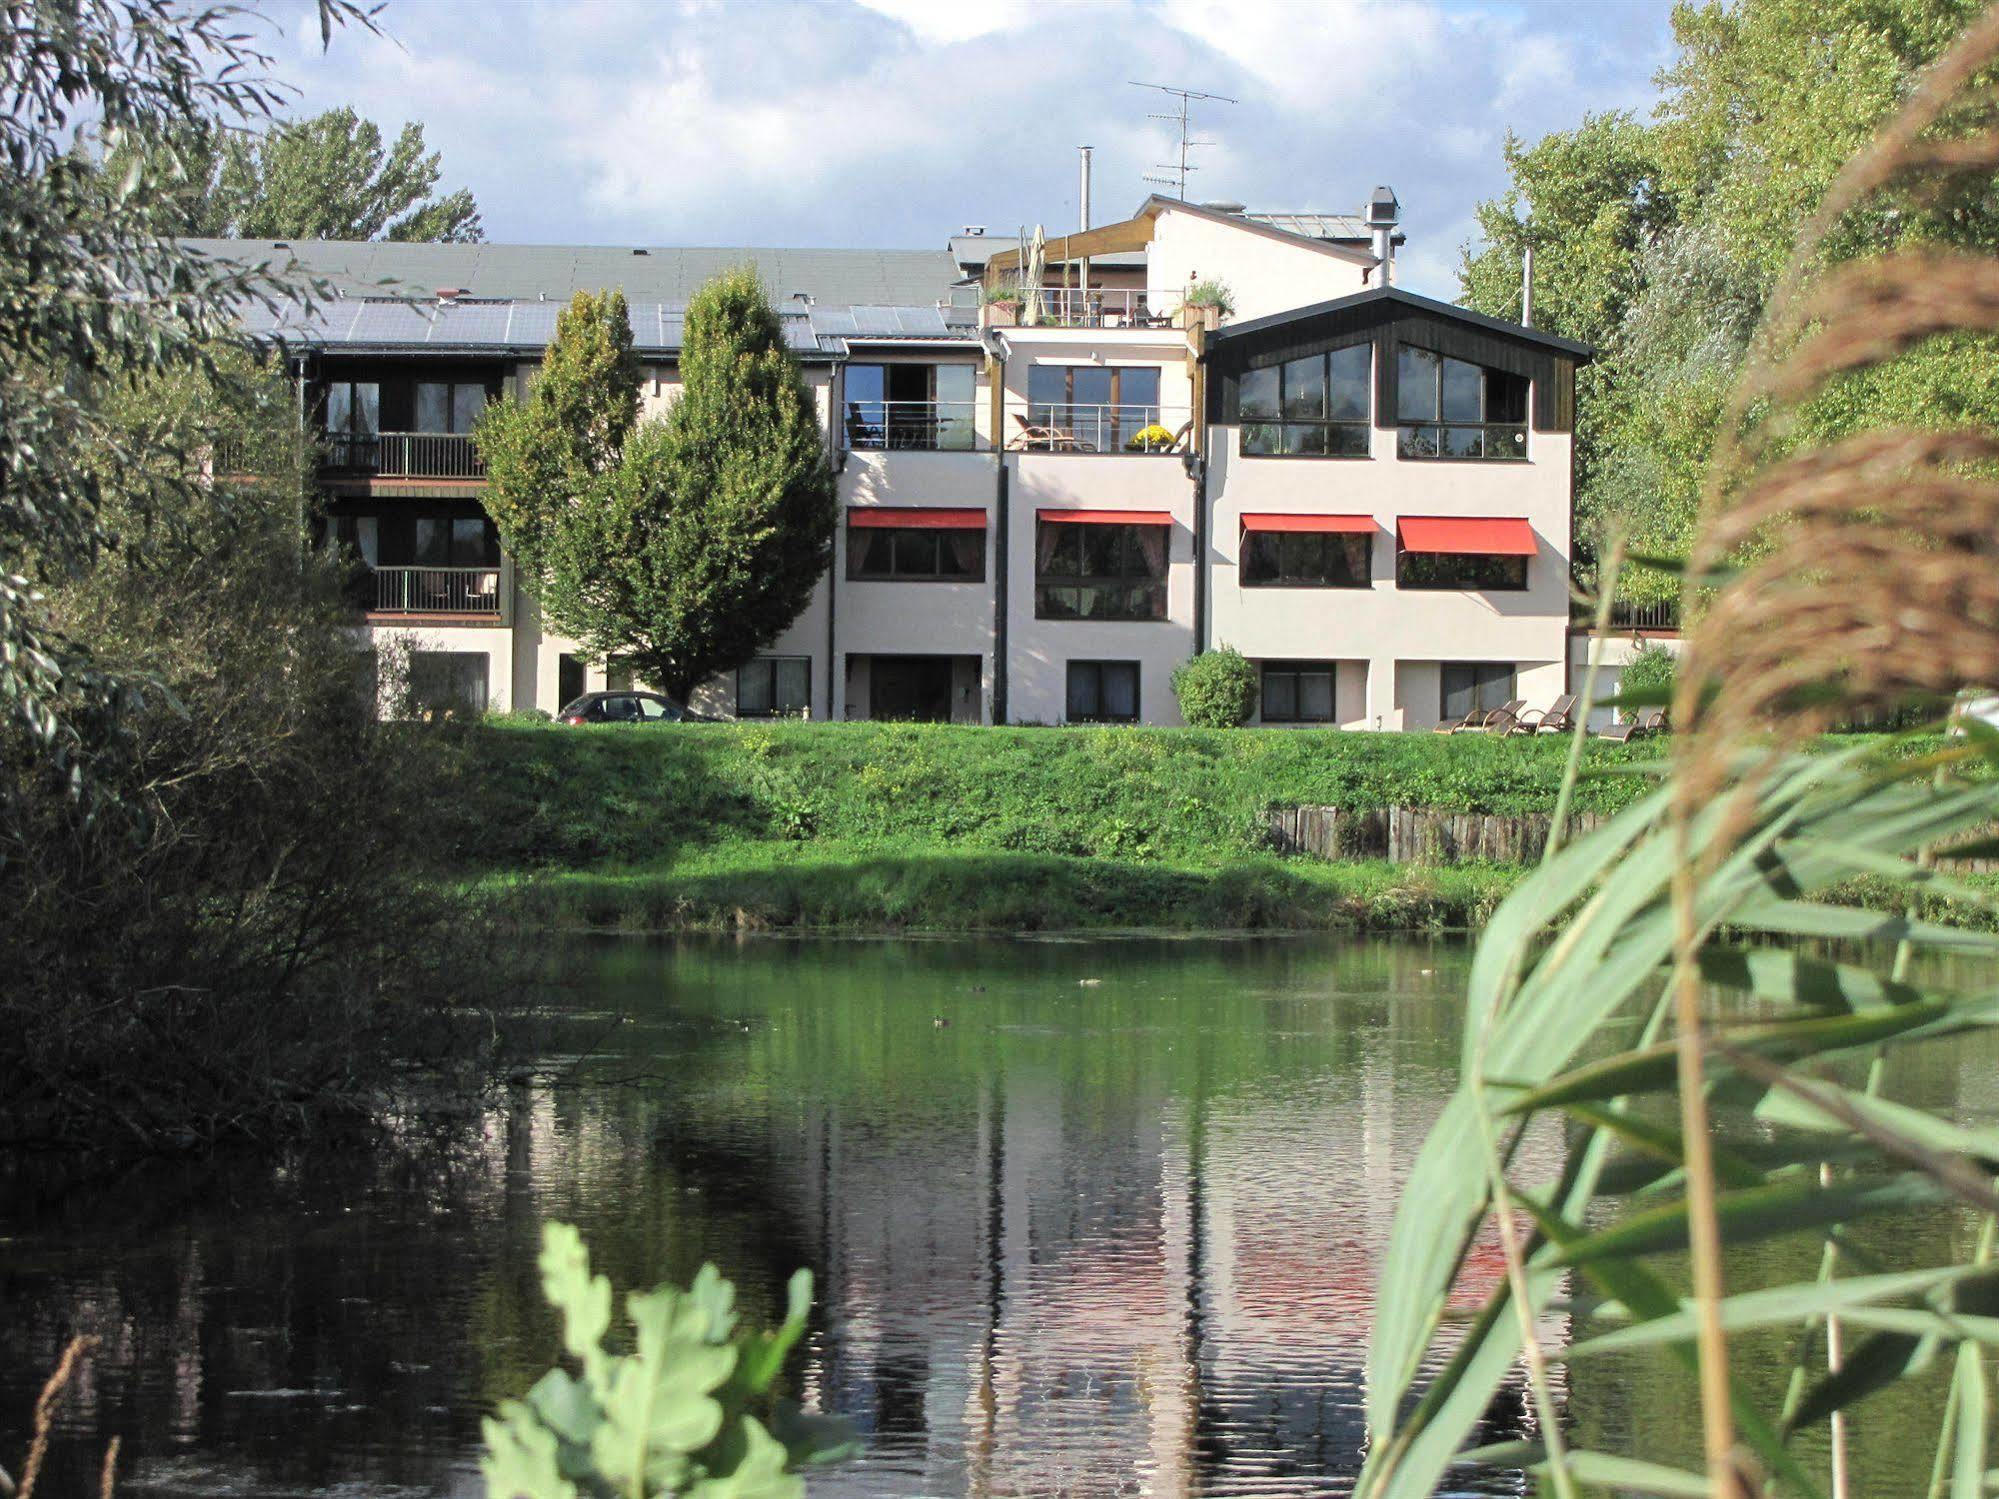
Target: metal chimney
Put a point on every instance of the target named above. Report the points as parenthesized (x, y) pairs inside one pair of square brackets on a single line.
[(1381, 216), (1083, 208)]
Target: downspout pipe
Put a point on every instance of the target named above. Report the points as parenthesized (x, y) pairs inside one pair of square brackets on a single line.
[(835, 381)]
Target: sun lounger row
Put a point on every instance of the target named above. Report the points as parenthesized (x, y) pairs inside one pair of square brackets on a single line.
[(1559, 717)]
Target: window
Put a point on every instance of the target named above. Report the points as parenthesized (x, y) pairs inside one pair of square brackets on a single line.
[(1477, 686), (1312, 407), (569, 678), (1103, 692), (459, 541), (447, 683), (353, 422), (910, 406), (1470, 570), (774, 687), (1090, 571), (1448, 408), (1306, 559), (1297, 692), (925, 555), (1095, 408), (443, 406)]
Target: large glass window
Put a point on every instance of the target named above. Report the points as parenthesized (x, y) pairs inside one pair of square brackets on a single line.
[(1089, 571), (1095, 408), (774, 687), (448, 684), (1306, 559), (910, 406), (916, 555), (1314, 407), (417, 540), (1475, 686), (1103, 692), (353, 422), (1298, 691), (1465, 570), (1449, 408), (448, 406)]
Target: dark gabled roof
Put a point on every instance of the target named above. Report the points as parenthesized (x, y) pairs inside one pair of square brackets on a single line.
[(526, 273), (1235, 333)]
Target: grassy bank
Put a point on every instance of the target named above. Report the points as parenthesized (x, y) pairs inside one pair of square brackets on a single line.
[(936, 827), (944, 828)]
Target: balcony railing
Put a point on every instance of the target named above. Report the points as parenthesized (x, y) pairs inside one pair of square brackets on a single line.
[(1132, 307), (437, 590), (1504, 442), (1659, 614), (907, 426), (405, 455), (1069, 428)]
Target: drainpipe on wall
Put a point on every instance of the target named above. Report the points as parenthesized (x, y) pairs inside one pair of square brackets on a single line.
[(835, 379), (1200, 467), (1002, 525)]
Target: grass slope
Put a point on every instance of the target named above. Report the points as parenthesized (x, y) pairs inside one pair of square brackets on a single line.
[(939, 827)]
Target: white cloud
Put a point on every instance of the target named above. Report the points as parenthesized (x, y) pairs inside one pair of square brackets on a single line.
[(891, 122)]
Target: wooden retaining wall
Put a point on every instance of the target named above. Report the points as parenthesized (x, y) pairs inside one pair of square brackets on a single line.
[(1417, 835)]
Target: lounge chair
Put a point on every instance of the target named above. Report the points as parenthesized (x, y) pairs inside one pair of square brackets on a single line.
[(1644, 721), (1501, 720), (1559, 717), (1050, 438)]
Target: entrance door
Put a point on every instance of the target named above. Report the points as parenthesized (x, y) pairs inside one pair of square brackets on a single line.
[(910, 689)]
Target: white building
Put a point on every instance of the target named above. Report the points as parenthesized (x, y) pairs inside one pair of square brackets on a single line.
[(1044, 509)]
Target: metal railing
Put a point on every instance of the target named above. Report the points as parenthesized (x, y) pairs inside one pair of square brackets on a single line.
[(1128, 307), (912, 426), (1504, 442), (437, 590), (1070, 428), (1659, 614), (405, 455)]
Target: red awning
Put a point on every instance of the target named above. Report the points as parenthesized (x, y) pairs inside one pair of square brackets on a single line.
[(1483, 535), (1270, 521), (914, 518), (1107, 517)]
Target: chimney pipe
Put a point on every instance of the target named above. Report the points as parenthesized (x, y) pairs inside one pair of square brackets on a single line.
[(1527, 286), (1382, 214), (1083, 207)]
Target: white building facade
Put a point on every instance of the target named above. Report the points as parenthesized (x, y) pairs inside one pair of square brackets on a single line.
[(1044, 508)]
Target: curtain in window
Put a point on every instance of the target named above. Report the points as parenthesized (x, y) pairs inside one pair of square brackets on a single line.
[(1046, 541), (1152, 547), (968, 551)]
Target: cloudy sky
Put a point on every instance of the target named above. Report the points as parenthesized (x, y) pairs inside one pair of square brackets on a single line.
[(893, 122)]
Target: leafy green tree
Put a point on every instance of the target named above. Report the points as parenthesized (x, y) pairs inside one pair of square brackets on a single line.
[(327, 177), (679, 546)]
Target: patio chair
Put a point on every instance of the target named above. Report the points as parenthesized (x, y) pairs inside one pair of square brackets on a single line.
[(1050, 438), (1645, 721), (1559, 717), (1487, 720)]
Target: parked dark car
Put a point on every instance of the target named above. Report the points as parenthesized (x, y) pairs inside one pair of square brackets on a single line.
[(626, 707)]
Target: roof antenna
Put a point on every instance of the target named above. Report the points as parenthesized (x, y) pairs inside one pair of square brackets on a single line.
[(1169, 175)]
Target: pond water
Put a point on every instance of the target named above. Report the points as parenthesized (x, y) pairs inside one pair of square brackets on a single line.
[(1088, 1217)]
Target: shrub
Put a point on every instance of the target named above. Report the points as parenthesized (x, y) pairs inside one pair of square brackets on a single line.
[(1650, 672), (690, 1410), (1217, 689)]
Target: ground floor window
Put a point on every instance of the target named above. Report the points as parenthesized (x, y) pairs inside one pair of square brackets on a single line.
[(448, 683), (1103, 692), (569, 678), (1476, 686), (1471, 570), (774, 687), (1297, 692)]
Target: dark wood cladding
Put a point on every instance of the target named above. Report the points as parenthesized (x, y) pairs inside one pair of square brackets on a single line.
[(1387, 325)]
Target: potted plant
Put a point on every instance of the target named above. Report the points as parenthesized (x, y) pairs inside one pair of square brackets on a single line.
[(1154, 438), (1206, 304), (1002, 303)]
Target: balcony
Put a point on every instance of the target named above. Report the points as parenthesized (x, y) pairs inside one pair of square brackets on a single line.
[(1068, 307), (911, 426), (1657, 614), (1494, 442), (464, 591), (405, 455), (1072, 428)]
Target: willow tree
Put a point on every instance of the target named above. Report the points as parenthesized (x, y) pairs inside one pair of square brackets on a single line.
[(678, 546)]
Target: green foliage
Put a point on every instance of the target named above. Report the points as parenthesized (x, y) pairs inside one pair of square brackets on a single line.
[(1216, 689), (1657, 243), (1649, 675), (678, 546), (327, 177), (688, 1411), (1215, 294)]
